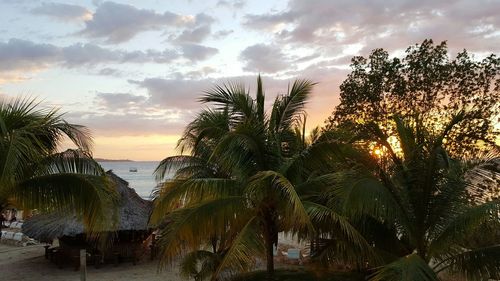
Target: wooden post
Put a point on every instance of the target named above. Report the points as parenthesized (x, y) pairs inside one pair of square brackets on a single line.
[(83, 265), (153, 246)]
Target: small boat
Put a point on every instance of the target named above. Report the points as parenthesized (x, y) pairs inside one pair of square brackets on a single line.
[(132, 170)]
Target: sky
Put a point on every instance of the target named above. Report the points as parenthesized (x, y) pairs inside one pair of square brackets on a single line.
[(132, 71)]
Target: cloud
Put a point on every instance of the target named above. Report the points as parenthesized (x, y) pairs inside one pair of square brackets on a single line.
[(327, 24), (128, 124), (264, 58), (202, 19), (154, 56), (80, 54), (237, 4), (19, 58), (25, 55), (183, 93), (200, 73), (197, 32), (63, 12), (117, 23), (120, 101), (174, 93), (171, 103), (196, 35), (195, 52), (118, 114), (109, 71), (88, 54), (17, 55), (222, 33)]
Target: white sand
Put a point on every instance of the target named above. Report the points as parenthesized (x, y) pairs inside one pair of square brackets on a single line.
[(29, 263)]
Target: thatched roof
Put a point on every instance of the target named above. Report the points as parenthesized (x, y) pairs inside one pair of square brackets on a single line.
[(133, 214)]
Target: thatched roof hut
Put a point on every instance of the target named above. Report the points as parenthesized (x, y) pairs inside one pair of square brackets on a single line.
[(133, 215)]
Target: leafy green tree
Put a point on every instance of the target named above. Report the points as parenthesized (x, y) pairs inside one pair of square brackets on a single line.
[(243, 180), (423, 143), (34, 175), (425, 83)]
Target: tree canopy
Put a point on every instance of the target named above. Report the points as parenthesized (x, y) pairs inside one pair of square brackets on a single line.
[(390, 185), (428, 84)]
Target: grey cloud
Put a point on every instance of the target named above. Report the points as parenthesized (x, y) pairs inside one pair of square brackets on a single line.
[(264, 58), (182, 92), (195, 52), (268, 21), (172, 102), (90, 54), (307, 58), (120, 101), (62, 11), (197, 32), (237, 4), (203, 19), (128, 124), (222, 33), (173, 93), (19, 55), (150, 56), (80, 54), (200, 73), (117, 23), (465, 24), (108, 71), (196, 35)]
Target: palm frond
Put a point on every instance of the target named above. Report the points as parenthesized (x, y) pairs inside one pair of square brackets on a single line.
[(260, 98), (264, 183), (288, 109), (464, 225), (189, 227), (233, 96), (69, 182), (365, 195), (209, 125), (408, 268), (348, 244), (174, 163), (476, 264), (199, 265), (241, 149), (247, 245), (177, 193), (406, 138)]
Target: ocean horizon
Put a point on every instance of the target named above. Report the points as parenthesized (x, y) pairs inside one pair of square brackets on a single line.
[(142, 181)]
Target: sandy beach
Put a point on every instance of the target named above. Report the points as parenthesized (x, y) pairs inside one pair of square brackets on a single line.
[(29, 263)]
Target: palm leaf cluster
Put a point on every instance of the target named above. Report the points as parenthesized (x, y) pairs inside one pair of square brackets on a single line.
[(34, 175), (251, 173), (248, 177), (414, 207)]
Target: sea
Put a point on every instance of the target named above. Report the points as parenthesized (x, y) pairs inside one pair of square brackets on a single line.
[(143, 181)]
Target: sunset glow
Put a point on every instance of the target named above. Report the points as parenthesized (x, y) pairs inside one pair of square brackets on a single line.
[(132, 71)]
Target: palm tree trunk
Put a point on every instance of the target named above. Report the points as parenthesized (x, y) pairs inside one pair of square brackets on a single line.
[(422, 251), (269, 232), (269, 253)]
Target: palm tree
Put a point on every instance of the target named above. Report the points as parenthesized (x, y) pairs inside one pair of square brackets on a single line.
[(411, 202), (34, 175), (239, 186)]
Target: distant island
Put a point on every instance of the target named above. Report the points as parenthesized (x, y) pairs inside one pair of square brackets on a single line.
[(112, 160)]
